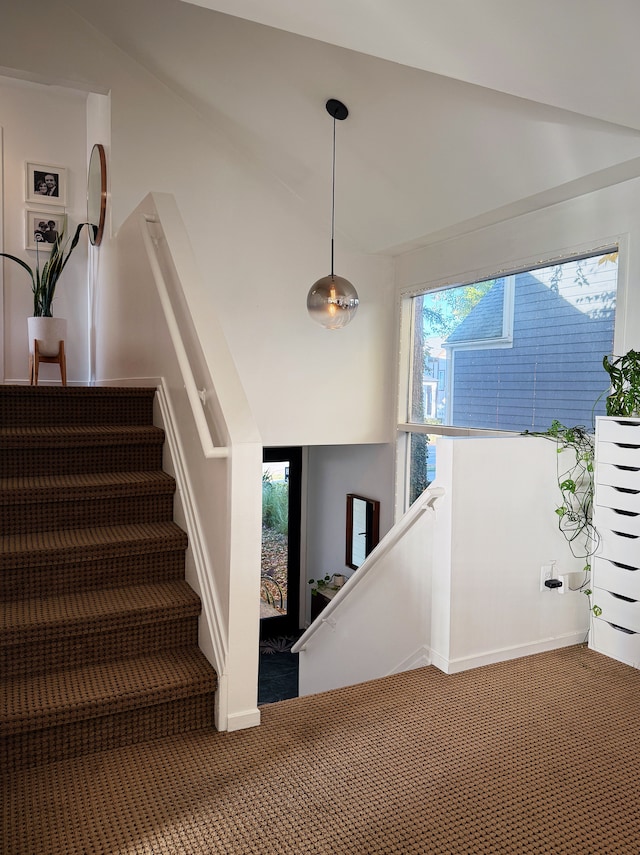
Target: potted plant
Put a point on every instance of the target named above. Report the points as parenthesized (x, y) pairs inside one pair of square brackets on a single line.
[(49, 331), (624, 374), (319, 585)]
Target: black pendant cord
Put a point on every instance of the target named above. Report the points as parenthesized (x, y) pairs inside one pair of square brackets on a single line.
[(333, 192)]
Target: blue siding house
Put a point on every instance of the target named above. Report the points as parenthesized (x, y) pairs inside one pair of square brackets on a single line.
[(521, 362)]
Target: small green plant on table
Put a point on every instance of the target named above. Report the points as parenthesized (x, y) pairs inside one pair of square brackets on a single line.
[(318, 585)]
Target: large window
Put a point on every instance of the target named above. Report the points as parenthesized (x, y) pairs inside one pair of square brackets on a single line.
[(510, 353)]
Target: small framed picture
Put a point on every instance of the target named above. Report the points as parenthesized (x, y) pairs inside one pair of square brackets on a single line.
[(46, 185), (42, 229)]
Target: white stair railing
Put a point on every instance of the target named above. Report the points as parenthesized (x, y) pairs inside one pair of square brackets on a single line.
[(196, 397), (386, 545)]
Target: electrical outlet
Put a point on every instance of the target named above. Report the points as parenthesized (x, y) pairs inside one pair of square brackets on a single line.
[(547, 571)]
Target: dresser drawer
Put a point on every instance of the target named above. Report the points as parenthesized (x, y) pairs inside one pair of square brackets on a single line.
[(620, 498), (614, 641), (615, 519), (620, 578), (618, 547), (622, 430), (611, 475), (617, 609), (618, 454)]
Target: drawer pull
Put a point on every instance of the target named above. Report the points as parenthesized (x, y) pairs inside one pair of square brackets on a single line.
[(626, 468), (627, 424), (625, 513), (626, 445), (624, 566), (620, 597), (627, 490), (624, 534), (621, 628)]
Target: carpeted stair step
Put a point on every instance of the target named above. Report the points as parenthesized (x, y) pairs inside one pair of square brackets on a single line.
[(75, 405), (27, 451), (54, 548), (99, 629), (94, 626), (94, 707), (53, 502), (163, 563)]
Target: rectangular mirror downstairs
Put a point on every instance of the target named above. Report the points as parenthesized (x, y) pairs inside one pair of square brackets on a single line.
[(363, 528)]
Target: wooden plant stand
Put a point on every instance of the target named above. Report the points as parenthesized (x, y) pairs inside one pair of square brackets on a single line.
[(35, 359)]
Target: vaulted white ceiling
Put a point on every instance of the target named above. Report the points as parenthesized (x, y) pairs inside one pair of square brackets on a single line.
[(461, 113), (580, 55)]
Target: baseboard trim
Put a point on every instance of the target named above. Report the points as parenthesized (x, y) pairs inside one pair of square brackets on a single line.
[(491, 657), (130, 381), (420, 658), (58, 383), (243, 720), (123, 381)]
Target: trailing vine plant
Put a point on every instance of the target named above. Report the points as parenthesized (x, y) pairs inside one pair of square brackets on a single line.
[(576, 485)]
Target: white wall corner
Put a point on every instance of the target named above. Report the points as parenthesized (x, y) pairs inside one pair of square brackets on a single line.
[(420, 658), (439, 661), (221, 711)]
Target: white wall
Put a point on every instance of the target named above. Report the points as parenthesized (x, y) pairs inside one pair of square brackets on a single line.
[(43, 124), (462, 588), (485, 591), (334, 471), (496, 527), (588, 222), (258, 256)]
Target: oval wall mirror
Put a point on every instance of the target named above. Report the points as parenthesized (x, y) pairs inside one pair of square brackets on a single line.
[(97, 193)]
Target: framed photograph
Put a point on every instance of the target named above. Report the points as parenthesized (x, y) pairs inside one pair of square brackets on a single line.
[(42, 228), (46, 185)]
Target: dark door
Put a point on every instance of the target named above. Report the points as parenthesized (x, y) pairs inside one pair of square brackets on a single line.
[(280, 576)]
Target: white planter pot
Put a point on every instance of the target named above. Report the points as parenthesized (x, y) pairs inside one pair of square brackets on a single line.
[(49, 332)]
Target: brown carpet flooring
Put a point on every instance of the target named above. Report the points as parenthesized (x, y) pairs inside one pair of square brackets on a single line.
[(538, 755)]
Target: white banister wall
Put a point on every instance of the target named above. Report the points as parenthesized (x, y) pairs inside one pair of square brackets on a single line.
[(457, 586), (379, 623), (156, 328)]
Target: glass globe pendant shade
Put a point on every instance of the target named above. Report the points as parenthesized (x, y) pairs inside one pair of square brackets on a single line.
[(332, 302)]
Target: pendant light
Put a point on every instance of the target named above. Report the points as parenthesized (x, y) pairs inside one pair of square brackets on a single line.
[(332, 300)]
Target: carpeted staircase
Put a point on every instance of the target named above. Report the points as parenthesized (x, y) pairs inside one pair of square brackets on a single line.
[(99, 630)]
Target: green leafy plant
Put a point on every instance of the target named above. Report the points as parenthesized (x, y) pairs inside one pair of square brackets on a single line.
[(576, 487), (45, 280), (597, 611), (275, 504), (624, 374), (575, 476), (319, 584)]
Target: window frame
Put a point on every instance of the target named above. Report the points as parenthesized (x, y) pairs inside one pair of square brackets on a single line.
[(404, 427)]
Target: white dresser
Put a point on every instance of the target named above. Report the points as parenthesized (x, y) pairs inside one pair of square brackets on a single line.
[(616, 565)]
